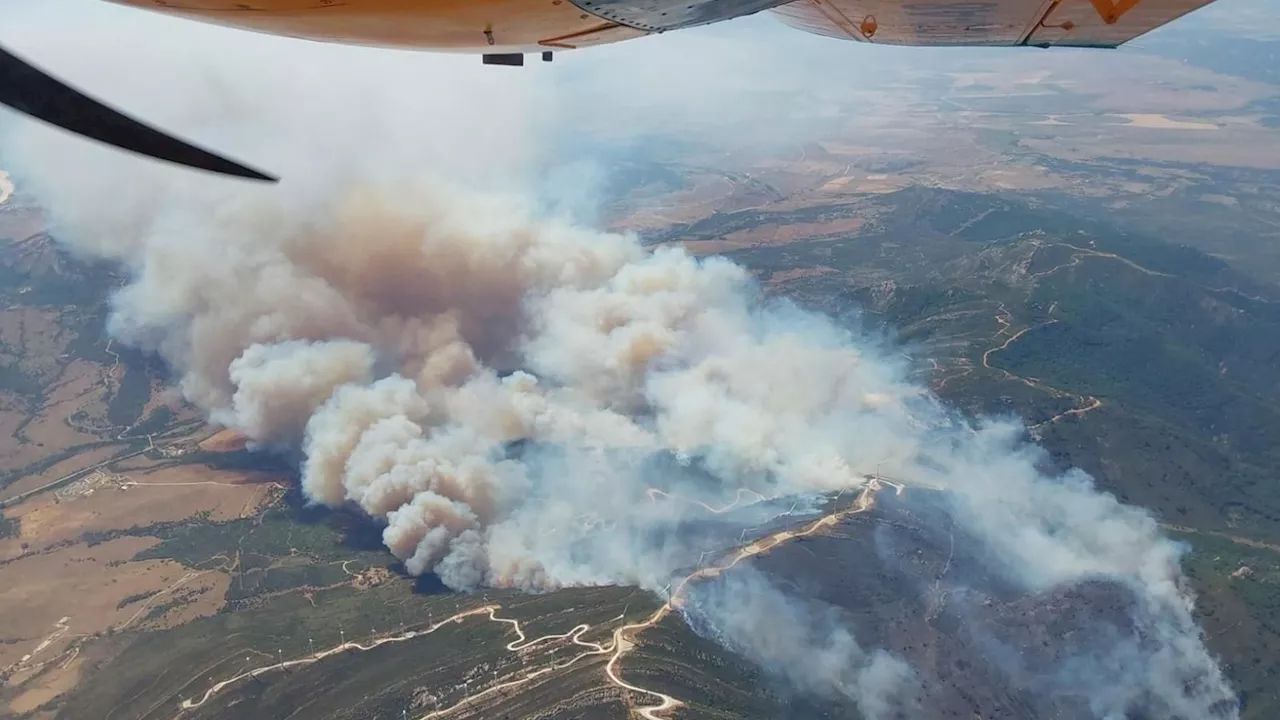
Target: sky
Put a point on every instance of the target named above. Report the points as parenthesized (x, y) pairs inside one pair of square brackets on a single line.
[(692, 81)]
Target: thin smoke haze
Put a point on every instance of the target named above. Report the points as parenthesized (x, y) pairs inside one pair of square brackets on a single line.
[(501, 387)]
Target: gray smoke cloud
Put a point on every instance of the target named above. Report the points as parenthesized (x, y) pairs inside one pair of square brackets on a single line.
[(502, 386)]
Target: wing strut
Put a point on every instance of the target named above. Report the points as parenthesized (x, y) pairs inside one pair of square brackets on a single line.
[(28, 90)]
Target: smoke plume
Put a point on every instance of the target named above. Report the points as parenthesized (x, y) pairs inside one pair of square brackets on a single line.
[(808, 643), (501, 386)]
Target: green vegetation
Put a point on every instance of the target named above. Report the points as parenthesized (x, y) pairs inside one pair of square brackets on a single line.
[(149, 674), (259, 541), (716, 685), (157, 421), (134, 391), (1238, 588), (90, 342), (1189, 370), (270, 580), (138, 597), (1178, 346), (1242, 232), (17, 379), (36, 273), (8, 527), (1188, 424), (173, 602), (240, 460)]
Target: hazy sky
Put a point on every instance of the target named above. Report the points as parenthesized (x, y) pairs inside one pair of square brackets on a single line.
[(741, 83), (713, 69)]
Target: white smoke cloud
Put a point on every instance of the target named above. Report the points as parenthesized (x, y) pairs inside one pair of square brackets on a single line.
[(279, 386), (494, 383), (812, 647)]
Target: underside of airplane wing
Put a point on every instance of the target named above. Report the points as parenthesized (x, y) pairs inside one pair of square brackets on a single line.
[(996, 23)]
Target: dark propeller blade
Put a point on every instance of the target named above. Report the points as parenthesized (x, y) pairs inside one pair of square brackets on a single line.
[(28, 90)]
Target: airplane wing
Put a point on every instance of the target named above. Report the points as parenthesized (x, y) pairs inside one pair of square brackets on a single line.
[(996, 23)]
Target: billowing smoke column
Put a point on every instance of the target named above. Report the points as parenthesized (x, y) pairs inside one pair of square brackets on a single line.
[(490, 385), (468, 373), (501, 387)]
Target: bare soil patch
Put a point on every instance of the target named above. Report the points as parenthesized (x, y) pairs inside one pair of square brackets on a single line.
[(106, 501), (80, 583), (786, 276), (49, 684), (19, 223), (1163, 122), (224, 441)]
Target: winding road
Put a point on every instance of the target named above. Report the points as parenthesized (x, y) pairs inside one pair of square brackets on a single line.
[(623, 639), (190, 704), (653, 494), (1084, 403)]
